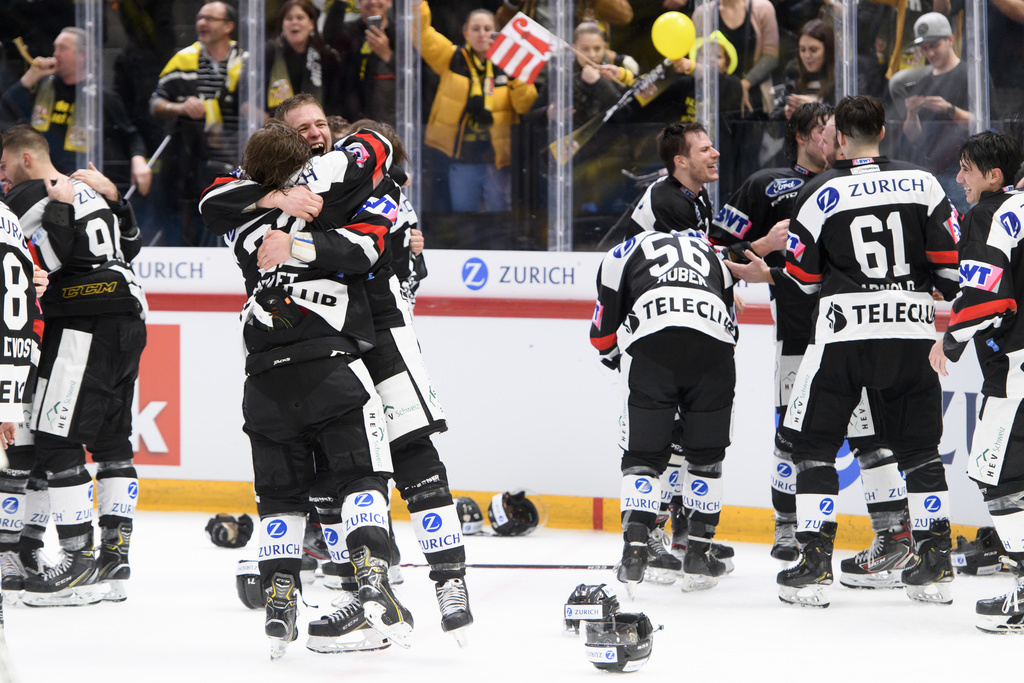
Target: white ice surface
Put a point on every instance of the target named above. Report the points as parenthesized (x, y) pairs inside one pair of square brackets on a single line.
[(184, 623)]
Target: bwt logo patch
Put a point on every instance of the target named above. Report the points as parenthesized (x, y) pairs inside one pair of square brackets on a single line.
[(836, 318), (783, 186), (432, 522), (643, 486), (1011, 224), (699, 487), (623, 249), (784, 469), (133, 490), (474, 274), (331, 536), (828, 199), (932, 504), (794, 245), (10, 505), (277, 528), (363, 500), (826, 506), (979, 275)]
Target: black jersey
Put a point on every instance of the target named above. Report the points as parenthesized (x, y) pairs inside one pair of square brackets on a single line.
[(82, 247), (766, 198), (667, 205), (991, 285), (875, 236), (21, 323), (656, 281)]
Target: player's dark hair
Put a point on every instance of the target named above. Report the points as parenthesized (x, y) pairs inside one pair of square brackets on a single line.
[(25, 138), (294, 102), (988, 151), (672, 140), (860, 118), (802, 122), (398, 155), (273, 154)]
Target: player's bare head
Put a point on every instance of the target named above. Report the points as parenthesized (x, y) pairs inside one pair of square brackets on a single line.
[(989, 151), (802, 123), (398, 156), (25, 138), (304, 113), (274, 153), (675, 140), (861, 119), (23, 152)]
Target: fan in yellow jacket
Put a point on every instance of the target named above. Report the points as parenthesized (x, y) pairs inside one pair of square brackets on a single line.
[(473, 113)]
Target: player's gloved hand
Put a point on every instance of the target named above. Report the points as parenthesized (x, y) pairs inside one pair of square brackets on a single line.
[(735, 252), (613, 359)]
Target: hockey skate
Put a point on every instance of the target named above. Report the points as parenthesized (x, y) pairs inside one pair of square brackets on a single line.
[(805, 583), (114, 570), (1005, 613), (453, 599), (701, 568), (630, 570), (663, 567), (979, 557), (345, 630), (382, 609), (70, 583), (680, 531), (14, 575), (282, 613), (785, 547), (927, 579), (881, 565)]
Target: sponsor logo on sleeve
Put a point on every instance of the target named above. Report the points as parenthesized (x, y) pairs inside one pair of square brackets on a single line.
[(980, 275), (828, 199), (1011, 224), (795, 246)]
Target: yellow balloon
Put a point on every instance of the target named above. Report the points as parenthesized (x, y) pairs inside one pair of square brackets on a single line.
[(673, 34)]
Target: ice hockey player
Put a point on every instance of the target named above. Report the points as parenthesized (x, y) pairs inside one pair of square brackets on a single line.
[(95, 334), (672, 292), (873, 236), (992, 285)]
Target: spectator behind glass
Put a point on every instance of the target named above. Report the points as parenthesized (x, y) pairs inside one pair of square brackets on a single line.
[(811, 76), (610, 12), (366, 45), (474, 110), (298, 60)]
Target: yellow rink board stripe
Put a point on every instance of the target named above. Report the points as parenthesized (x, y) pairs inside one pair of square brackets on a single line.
[(739, 524)]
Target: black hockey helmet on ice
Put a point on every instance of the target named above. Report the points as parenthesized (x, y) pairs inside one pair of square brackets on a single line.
[(247, 580), (512, 514), (621, 643), (228, 532), (470, 517), (588, 603), (980, 556)]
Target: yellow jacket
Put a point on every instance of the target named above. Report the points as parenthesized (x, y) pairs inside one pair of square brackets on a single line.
[(446, 126)]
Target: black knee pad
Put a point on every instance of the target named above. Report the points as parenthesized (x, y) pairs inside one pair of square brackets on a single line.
[(822, 480), (927, 478)]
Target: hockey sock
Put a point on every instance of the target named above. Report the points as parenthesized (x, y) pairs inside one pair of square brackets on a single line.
[(702, 497), (12, 507), (333, 530), (669, 481), (365, 516), (281, 545), (927, 497), (439, 534), (885, 491), (817, 486), (117, 487), (71, 500), (1009, 525), (783, 486), (640, 499)]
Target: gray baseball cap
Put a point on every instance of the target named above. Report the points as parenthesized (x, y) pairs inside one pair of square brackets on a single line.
[(931, 27)]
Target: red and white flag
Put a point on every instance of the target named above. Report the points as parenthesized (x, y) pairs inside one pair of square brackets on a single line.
[(522, 48)]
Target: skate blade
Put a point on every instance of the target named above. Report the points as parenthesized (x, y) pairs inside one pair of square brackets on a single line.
[(69, 597), (116, 591), (729, 566), (277, 648), (396, 633), (369, 640), (660, 576), (885, 579), (11, 598), (813, 595), (932, 593), (999, 624), (395, 577), (461, 636), (690, 583)]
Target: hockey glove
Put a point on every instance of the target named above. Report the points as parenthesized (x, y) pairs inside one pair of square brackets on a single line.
[(612, 359), (227, 532)]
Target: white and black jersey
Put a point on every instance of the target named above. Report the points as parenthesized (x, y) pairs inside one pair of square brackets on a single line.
[(991, 287), (655, 281), (874, 236), (83, 249), (763, 200), (668, 205), (20, 324)]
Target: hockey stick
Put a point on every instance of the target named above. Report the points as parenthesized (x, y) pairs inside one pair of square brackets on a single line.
[(603, 567), (149, 164), (566, 148)]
